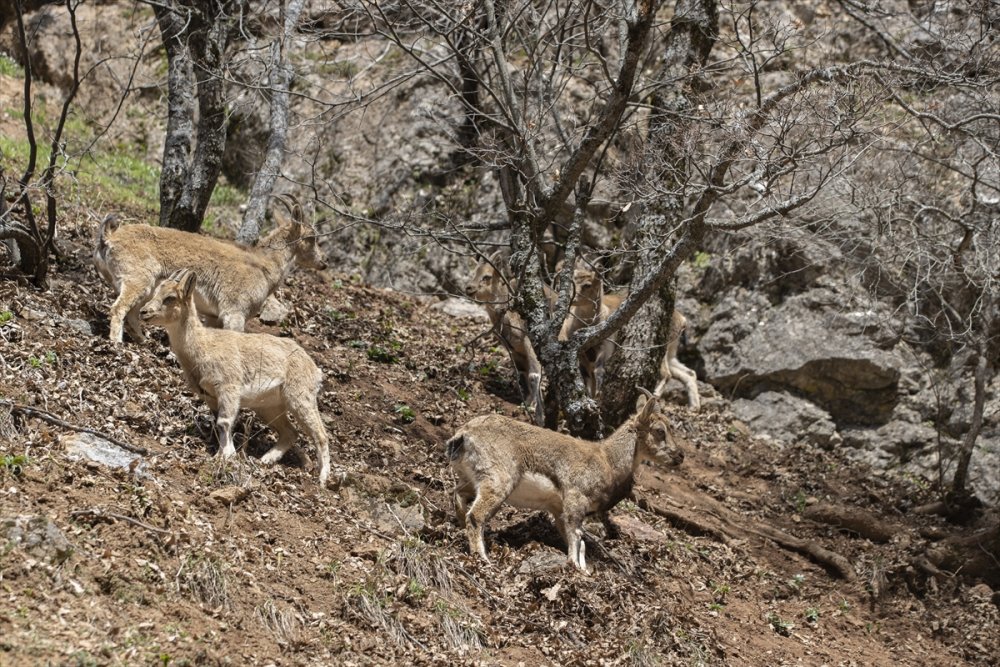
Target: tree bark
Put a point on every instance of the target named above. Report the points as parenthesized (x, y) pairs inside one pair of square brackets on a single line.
[(279, 82), (195, 38), (693, 32)]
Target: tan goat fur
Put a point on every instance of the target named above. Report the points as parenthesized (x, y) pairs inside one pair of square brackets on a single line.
[(499, 459), (487, 286), (590, 307), (274, 377), (233, 281)]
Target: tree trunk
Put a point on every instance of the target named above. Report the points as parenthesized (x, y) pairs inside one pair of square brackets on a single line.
[(642, 341), (279, 83), (196, 40)]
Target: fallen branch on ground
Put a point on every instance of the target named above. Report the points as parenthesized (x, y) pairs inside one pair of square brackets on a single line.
[(47, 416)]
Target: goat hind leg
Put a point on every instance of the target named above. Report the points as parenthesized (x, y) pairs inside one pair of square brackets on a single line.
[(131, 297), (307, 415)]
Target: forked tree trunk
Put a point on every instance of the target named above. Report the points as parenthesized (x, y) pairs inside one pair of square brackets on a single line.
[(642, 341)]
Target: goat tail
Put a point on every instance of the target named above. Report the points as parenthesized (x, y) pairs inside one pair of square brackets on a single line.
[(455, 446), (108, 226)]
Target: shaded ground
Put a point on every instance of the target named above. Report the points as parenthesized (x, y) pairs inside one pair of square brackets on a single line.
[(277, 571)]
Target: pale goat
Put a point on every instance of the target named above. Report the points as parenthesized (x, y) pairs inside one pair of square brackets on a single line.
[(233, 280), (499, 459), (274, 377)]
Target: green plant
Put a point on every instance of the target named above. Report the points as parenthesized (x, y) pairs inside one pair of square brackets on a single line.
[(844, 606), (779, 625), (14, 463), (488, 368), (463, 394), (6, 316), (406, 413), (795, 583), (719, 592), (9, 67), (812, 615), (701, 260), (381, 355)]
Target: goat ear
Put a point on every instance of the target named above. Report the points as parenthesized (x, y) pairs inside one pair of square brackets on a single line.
[(495, 258)]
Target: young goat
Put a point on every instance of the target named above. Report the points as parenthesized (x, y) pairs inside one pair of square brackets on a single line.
[(233, 281), (590, 306), (272, 376), (499, 459), (487, 286), (672, 367)]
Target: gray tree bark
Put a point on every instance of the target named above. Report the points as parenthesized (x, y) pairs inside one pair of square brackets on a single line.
[(279, 82), (693, 32)]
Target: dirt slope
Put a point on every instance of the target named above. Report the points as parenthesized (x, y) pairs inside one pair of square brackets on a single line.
[(181, 560)]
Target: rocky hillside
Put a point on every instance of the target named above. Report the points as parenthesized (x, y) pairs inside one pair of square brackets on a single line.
[(749, 553)]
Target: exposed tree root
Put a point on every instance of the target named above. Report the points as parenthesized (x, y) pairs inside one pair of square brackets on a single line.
[(725, 529), (852, 519)]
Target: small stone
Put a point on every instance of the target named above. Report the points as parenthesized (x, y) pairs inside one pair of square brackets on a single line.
[(229, 495), (273, 311)]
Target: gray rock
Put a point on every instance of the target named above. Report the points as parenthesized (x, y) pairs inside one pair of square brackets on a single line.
[(543, 562), (80, 326), (461, 308), (38, 536), (88, 447), (797, 347), (273, 311), (787, 418)]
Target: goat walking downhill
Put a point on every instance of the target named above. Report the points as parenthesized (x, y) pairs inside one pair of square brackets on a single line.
[(233, 281), (590, 307), (274, 377), (499, 459), (488, 288)]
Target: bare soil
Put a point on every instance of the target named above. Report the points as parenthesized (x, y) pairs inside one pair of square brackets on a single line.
[(186, 560)]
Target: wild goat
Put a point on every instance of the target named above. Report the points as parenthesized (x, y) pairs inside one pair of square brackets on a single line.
[(487, 286), (499, 459), (272, 376), (672, 367), (233, 281), (590, 306)]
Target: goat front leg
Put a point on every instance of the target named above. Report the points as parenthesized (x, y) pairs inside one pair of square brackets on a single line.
[(574, 511), (133, 294), (229, 406)]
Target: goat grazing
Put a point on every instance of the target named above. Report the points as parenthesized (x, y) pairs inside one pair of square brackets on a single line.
[(487, 286), (499, 459), (272, 376), (233, 281), (671, 367), (590, 307)]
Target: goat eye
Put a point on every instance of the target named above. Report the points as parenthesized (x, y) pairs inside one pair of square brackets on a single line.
[(169, 300)]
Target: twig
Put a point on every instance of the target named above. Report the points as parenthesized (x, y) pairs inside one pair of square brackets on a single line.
[(47, 416), (98, 513)]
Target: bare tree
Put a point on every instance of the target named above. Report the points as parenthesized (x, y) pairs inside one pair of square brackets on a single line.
[(559, 99), (34, 241)]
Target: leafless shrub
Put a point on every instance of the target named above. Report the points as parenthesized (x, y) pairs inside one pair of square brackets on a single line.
[(205, 580), (285, 625)]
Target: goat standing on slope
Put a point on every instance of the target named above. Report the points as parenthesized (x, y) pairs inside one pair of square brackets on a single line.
[(233, 281), (272, 376), (487, 286), (499, 459)]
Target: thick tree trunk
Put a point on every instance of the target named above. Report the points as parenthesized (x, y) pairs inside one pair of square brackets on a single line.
[(642, 341), (180, 109), (196, 40)]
